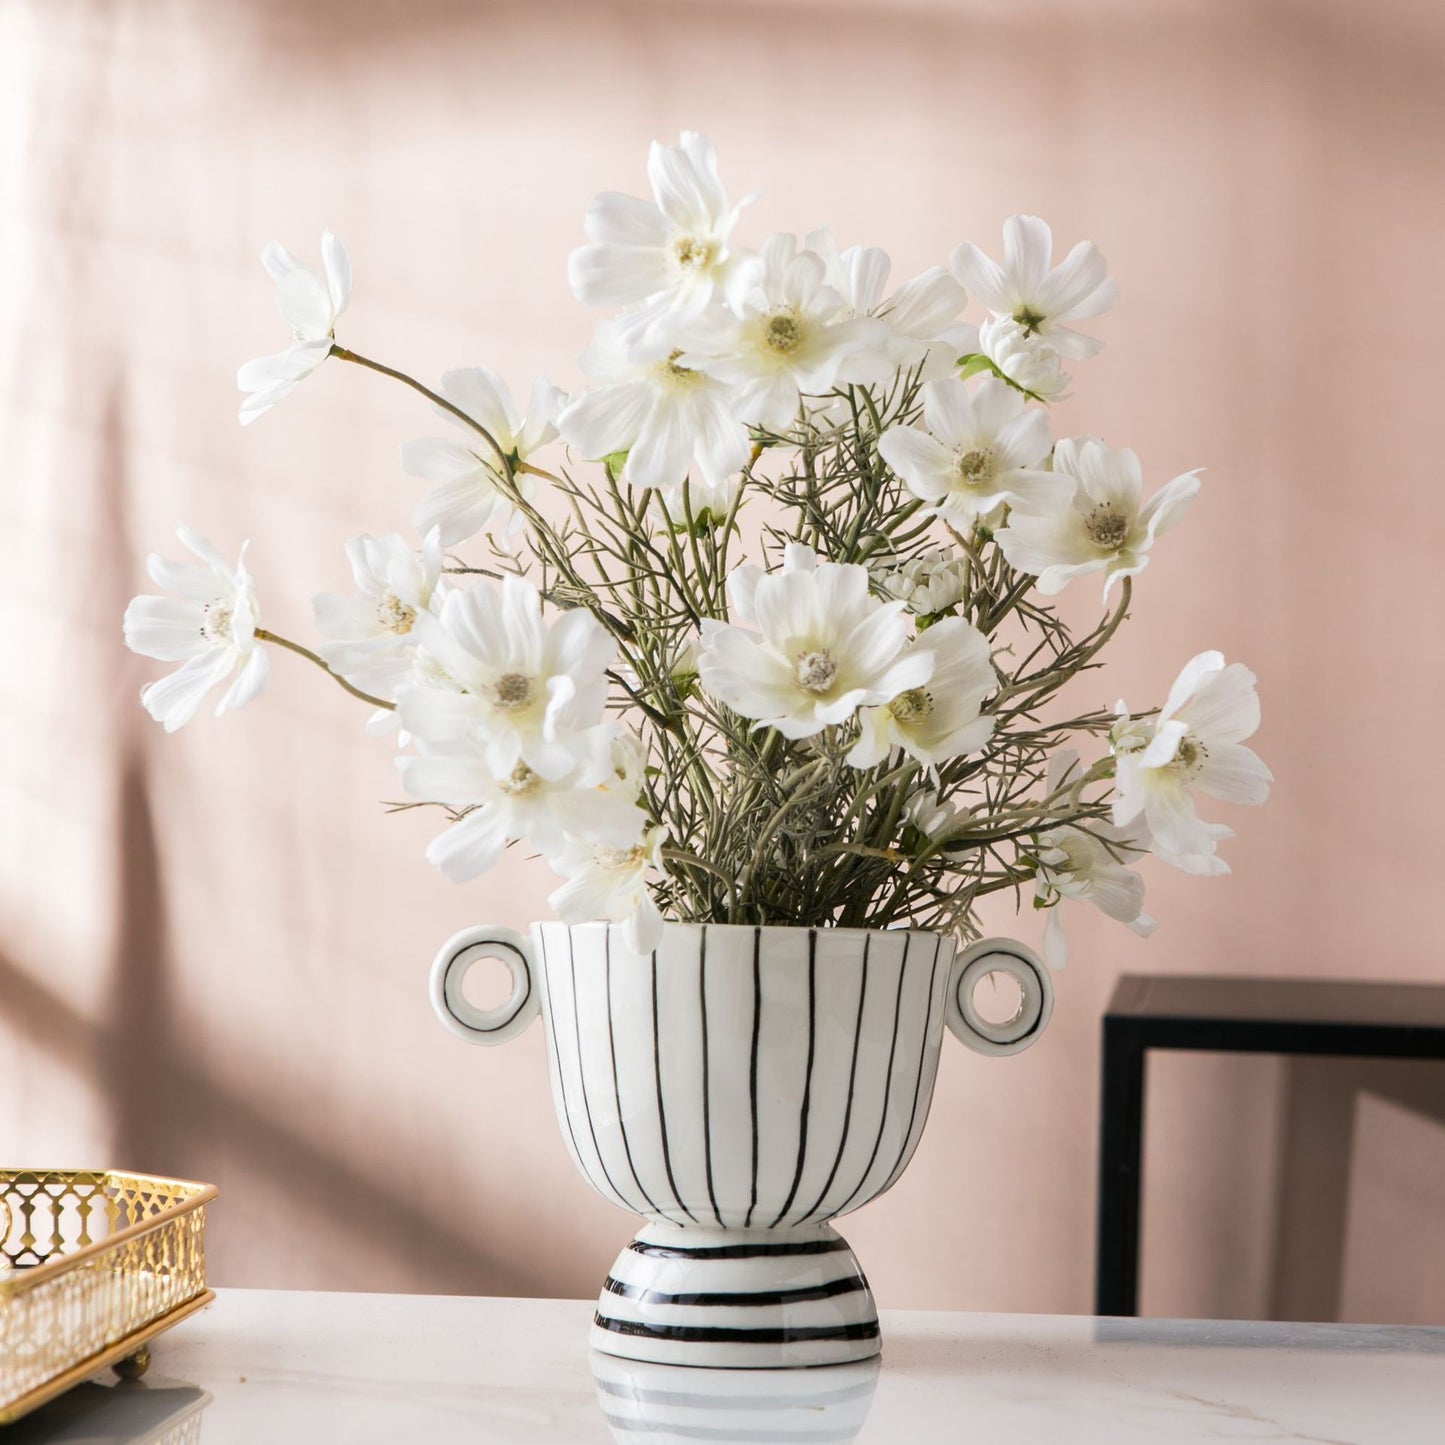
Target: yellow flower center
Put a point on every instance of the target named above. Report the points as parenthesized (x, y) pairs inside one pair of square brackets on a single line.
[(1028, 318), (394, 615), (1190, 756), (783, 332), (216, 623), (679, 378), (619, 860), (815, 671), (691, 253), (511, 691), (1107, 526), (912, 706), (975, 466), (520, 780)]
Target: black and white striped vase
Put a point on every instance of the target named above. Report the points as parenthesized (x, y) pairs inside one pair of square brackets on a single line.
[(739, 1088)]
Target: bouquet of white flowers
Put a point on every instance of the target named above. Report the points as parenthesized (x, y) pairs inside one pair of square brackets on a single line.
[(785, 652)]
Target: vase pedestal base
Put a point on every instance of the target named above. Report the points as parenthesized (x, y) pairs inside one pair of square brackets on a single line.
[(737, 1299)]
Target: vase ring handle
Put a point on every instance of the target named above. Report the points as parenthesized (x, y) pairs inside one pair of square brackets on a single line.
[(1036, 996), (449, 970)]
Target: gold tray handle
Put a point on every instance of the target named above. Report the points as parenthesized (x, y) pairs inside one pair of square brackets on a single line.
[(449, 970)]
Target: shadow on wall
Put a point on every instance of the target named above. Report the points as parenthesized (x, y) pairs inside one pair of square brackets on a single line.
[(170, 1114), (168, 1110), (1323, 1212)]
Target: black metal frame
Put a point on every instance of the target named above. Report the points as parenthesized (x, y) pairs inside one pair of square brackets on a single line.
[(1227, 1015)]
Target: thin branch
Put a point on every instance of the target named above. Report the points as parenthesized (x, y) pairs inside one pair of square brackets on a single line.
[(440, 401), (321, 662)]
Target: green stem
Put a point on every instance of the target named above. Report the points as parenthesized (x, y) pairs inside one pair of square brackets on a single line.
[(321, 662), (504, 458), (691, 860), (797, 794)]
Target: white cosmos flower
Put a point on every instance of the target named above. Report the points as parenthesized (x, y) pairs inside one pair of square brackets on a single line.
[(311, 307), (209, 627), (1024, 357), (824, 647), (930, 583), (1079, 864), (787, 333), (1196, 741), (672, 420), (975, 451), (1087, 865), (469, 495), (665, 258), (372, 637), (611, 884), (525, 690), (709, 502), (929, 813), (1106, 529), (583, 803), (920, 315), (1042, 300), (939, 719)]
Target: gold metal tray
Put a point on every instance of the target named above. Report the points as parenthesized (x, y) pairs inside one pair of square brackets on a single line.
[(93, 1263)]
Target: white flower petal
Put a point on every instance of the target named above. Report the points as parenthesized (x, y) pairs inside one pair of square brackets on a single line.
[(1056, 947), (607, 420), (460, 509), (1225, 706), (248, 684), (1028, 247), (981, 275), (926, 466), (305, 304), (173, 700), (1234, 773), (338, 273), (1168, 505), (662, 452), (484, 396), (165, 628), (924, 306), (1193, 677), (685, 183), (469, 848), (1071, 291)]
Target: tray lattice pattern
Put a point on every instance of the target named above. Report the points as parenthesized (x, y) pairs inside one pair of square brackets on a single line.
[(87, 1258)]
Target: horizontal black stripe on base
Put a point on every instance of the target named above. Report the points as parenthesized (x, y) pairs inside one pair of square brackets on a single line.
[(759, 1299), (767, 1436), (722, 1335), (737, 1251)]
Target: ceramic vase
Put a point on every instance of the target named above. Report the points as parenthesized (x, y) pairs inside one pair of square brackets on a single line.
[(740, 1088)]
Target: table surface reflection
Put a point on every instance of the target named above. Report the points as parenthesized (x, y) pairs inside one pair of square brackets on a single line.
[(276, 1366)]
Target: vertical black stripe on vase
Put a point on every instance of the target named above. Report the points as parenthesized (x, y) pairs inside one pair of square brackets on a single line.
[(582, 1075), (808, 1080), (887, 1080), (616, 1081), (557, 1050), (661, 1104), (706, 1081), (753, 1065), (922, 1061), (852, 1079)]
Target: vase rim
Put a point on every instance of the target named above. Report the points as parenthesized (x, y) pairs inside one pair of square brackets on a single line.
[(676, 927)]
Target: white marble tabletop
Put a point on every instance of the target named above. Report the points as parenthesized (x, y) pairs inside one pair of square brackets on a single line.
[(269, 1368)]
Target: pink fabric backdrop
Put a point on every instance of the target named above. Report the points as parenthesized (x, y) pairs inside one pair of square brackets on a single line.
[(213, 947)]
